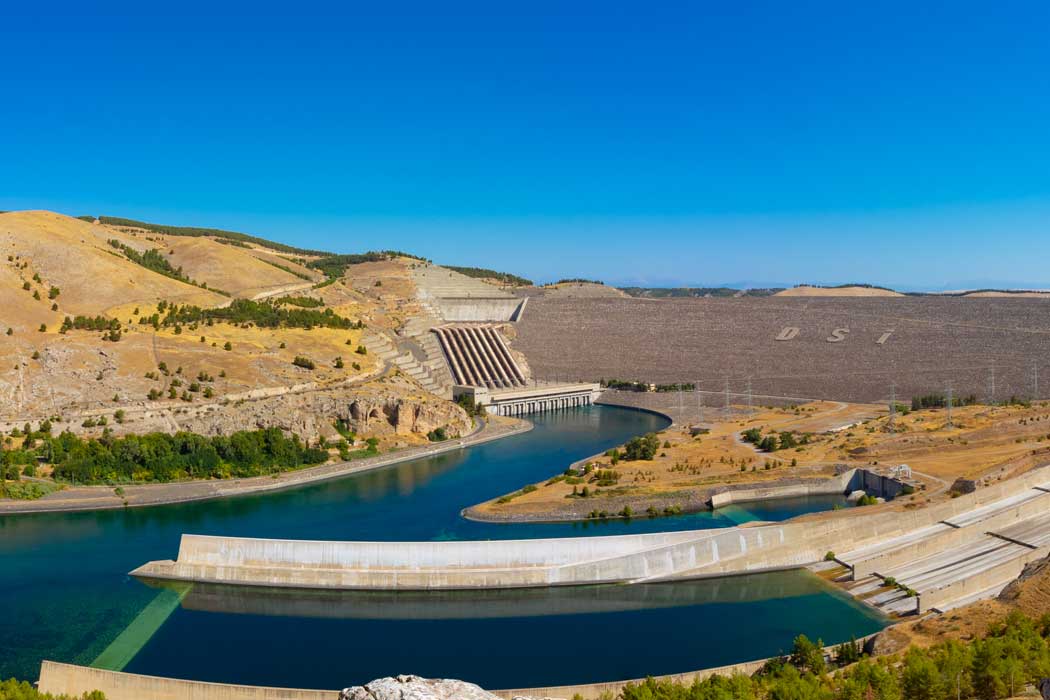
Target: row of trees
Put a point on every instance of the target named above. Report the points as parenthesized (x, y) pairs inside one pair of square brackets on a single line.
[(1016, 652), (20, 690), (334, 266), (89, 323), (643, 386), (265, 314), (940, 401), (773, 441), (162, 457), (484, 273), (194, 231)]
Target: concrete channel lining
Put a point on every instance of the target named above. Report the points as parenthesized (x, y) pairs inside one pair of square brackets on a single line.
[(930, 540), (68, 679), (567, 561)]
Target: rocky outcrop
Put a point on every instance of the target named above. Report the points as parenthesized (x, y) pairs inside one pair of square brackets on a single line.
[(395, 414), (1030, 592), (416, 688), (376, 410)]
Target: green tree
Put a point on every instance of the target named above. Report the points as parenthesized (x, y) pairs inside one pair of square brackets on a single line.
[(920, 677), (808, 656)]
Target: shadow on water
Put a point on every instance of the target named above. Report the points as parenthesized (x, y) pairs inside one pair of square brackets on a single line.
[(483, 604), (65, 593), (495, 638)]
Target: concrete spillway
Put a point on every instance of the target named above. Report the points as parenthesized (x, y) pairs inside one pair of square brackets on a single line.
[(478, 356)]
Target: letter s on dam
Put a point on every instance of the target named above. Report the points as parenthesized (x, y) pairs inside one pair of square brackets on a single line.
[(838, 335)]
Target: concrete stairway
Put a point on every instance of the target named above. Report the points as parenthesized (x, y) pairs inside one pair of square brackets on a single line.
[(414, 358)]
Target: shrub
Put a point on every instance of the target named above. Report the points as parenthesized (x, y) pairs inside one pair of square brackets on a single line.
[(304, 362), (644, 447)]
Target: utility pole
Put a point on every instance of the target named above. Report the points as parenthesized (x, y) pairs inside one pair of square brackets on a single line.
[(699, 402), (1035, 378), (727, 398), (749, 397), (991, 378), (681, 408), (950, 401), (893, 408)]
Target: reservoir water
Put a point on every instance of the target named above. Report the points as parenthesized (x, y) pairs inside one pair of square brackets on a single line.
[(65, 594)]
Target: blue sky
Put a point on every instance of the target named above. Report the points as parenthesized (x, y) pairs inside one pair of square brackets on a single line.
[(656, 143)]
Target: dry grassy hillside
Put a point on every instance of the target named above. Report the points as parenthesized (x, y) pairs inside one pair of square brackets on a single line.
[(807, 291), (241, 270), (90, 275), (210, 375)]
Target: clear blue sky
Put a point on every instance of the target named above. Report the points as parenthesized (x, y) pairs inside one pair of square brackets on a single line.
[(903, 143)]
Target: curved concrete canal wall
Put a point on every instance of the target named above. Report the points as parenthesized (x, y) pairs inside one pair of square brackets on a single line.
[(68, 679), (571, 561)]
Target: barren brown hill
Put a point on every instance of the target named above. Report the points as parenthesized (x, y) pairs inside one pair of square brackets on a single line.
[(848, 291), (48, 250)]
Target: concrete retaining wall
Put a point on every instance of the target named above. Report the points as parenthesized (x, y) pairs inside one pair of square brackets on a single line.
[(971, 585), (67, 679), (949, 538), (568, 561), (823, 487), (478, 309), (57, 678)]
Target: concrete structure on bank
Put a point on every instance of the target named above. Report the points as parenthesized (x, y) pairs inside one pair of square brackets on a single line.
[(848, 481), (68, 679), (626, 558), (479, 356), (960, 558), (534, 398), (456, 297)]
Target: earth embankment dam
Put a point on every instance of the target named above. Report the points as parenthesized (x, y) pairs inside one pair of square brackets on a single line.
[(846, 349)]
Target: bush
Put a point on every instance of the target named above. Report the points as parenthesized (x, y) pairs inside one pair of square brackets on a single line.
[(644, 447), (304, 362)]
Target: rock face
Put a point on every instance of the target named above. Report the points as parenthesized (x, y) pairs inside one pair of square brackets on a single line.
[(416, 688), (379, 414)]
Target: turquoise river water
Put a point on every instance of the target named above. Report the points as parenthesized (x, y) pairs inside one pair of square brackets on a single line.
[(65, 594)]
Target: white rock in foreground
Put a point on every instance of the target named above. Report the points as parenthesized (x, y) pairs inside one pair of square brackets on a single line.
[(416, 688)]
